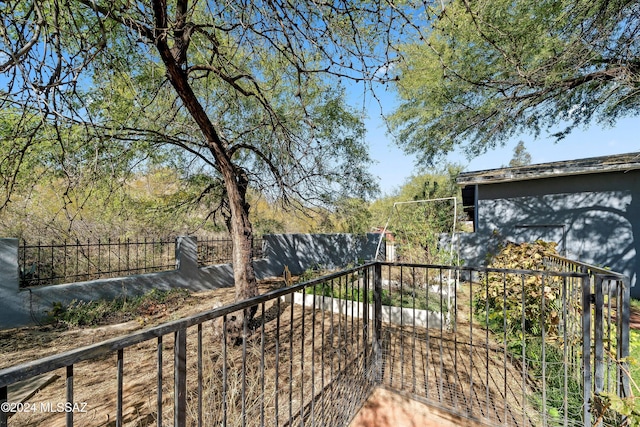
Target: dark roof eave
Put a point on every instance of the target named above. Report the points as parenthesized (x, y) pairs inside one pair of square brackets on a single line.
[(615, 163)]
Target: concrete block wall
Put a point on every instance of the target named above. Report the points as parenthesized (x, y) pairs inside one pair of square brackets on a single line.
[(20, 307), (13, 307)]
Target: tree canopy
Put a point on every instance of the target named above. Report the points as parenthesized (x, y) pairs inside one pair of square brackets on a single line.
[(417, 224), (488, 70), (235, 93), (521, 156)]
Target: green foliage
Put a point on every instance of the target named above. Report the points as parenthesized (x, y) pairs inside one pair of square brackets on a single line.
[(523, 309), (549, 368), (634, 357), (489, 70), (352, 290), (521, 156), (352, 216), (92, 313), (417, 227), (150, 203), (408, 298), (609, 406), (310, 274), (232, 96), (515, 304)]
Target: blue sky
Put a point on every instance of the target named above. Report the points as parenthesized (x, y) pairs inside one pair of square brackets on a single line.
[(393, 166)]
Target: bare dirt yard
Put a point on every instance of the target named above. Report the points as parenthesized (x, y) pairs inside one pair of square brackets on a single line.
[(21, 345), (298, 353)]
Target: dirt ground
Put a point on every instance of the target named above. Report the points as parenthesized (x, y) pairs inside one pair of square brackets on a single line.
[(270, 372), (26, 344)]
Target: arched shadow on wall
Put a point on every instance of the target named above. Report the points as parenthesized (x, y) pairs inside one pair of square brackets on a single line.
[(595, 217)]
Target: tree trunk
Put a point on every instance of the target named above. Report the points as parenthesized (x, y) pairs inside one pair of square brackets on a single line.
[(234, 179), (242, 235)]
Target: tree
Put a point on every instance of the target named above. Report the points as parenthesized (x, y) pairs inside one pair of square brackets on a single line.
[(489, 70), (417, 227), (352, 216), (521, 156), (241, 93)]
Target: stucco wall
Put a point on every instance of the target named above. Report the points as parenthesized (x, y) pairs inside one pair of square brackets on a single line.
[(594, 218), (20, 307), (302, 251)]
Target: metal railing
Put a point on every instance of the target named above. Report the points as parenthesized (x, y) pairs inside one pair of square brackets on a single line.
[(219, 251), (609, 295), (312, 353), (74, 261), (515, 347)]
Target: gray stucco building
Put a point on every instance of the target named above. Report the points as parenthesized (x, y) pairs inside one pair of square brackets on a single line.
[(590, 207)]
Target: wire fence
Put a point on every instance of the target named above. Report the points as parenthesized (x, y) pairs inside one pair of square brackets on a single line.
[(219, 251), (75, 261)]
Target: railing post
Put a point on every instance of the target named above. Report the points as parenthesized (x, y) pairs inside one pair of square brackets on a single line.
[(624, 295), (3, 399), (598, 333), (70, 399), (366, 315), (586, 350), (377, 322), (180, 378)]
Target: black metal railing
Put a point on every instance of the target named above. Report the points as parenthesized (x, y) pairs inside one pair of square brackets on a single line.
[(74, 261), (514, 347), (222, 367), (219, 251), (609, 293)]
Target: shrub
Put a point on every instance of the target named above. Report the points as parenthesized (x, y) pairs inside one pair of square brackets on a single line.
[(91, 313), (516, 301)]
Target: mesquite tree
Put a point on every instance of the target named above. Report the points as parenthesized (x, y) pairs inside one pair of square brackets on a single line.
[(240, 93), (486, 71)]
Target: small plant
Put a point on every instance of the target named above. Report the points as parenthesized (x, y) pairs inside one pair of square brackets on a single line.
[(98, 312), (549, 371), (521, 308), (409, 298), (608, 405), (514, 304)]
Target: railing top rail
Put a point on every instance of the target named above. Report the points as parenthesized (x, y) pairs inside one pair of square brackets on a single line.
[(491, 269), (27, 370), (93, 242), (589, 268)]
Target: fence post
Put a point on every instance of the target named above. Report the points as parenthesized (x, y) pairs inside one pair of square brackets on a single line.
[(624, 295), (180, 379), (187, 256), (15, 303), (377, 321), (586, 350), (366, 315), (9, 268), (598, 334)]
